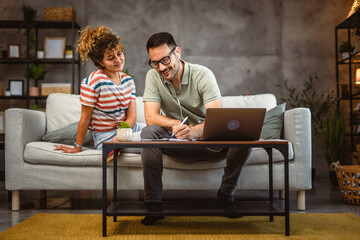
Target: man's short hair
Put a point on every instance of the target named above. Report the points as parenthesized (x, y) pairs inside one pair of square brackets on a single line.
[(159, 39)]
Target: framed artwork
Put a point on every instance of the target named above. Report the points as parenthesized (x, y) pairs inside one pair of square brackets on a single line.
[(54, 47), (2, 122), (16, 87), (14, 50)]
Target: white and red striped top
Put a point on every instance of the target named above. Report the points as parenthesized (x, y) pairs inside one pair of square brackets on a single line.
[(110, 101)]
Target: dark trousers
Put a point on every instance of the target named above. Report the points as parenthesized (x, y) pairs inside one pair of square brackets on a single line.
[(153, 163)]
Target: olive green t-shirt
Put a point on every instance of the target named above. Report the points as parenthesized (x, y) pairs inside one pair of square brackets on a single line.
[(198, 87)]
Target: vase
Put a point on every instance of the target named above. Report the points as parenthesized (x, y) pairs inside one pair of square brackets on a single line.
[(34, 91), (40, 54), (124, 134)]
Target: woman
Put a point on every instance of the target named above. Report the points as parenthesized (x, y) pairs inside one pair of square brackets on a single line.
[(107, 95)]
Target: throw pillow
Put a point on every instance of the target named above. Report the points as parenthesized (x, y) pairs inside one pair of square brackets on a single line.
[(67, 135), (273, 122)]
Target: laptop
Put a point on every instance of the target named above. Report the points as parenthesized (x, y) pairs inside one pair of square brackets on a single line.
[(233, 124)]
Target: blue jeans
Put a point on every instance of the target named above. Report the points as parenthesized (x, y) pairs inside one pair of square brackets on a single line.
[(100, 137)]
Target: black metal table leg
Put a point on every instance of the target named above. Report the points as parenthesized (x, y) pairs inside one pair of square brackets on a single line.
[(116, 151), (287, 201), (104, 190), (271, 188), (285, 152)]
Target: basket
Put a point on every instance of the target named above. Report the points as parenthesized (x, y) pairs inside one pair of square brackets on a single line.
[(59, 14), (349, 183)]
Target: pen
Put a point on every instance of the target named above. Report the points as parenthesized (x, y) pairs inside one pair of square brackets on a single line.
[(183, 121)]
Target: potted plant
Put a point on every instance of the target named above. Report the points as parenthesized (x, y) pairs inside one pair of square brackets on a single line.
[(124, 132), (335, 142), (68, 52), (37, 73), (40, 53), (319, 104), (7, 92), (29, 15), (344, 49)]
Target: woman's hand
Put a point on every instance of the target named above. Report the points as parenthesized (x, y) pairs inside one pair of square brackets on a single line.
[(66, 149)]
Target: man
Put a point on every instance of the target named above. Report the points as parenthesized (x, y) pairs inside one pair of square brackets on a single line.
[(180, 90)]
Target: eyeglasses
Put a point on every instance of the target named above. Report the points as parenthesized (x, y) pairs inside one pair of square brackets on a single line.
[(165, 60)]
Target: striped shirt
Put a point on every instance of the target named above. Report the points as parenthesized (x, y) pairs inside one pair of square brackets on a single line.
[(110, 101)]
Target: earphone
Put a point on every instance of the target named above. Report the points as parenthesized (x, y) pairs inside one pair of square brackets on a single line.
[(178, 101)]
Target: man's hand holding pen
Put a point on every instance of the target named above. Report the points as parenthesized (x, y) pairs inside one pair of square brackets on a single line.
[(182, 131)]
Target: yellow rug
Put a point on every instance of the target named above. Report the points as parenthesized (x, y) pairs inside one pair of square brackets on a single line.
[(89, 226)]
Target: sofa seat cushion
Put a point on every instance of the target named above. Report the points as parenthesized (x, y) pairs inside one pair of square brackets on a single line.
[(43, 153)]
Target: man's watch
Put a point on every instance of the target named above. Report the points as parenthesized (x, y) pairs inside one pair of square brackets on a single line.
[(78, 146)]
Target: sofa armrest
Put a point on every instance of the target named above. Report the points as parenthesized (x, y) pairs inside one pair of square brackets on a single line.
[(21, 127), (297, 130)]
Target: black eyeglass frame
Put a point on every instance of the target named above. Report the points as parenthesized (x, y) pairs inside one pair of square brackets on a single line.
[(161, 60)]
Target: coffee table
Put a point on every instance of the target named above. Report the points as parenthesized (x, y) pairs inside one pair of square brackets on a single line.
[(197, 208)]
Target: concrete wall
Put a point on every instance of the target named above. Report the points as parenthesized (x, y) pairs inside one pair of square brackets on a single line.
[(250, 44)]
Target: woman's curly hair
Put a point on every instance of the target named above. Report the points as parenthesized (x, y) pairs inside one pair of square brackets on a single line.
[(93, 43)]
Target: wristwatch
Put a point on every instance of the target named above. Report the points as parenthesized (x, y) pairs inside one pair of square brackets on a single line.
[(78, 146)]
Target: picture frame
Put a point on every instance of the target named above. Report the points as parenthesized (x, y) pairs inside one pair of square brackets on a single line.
[(14, 50), (54, 47), (2, 122), (16, 87)]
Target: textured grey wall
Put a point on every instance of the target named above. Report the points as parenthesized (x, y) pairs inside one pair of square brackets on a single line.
[(249, 44)]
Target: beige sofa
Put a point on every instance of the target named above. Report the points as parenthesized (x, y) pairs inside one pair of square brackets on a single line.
[(31, 164)]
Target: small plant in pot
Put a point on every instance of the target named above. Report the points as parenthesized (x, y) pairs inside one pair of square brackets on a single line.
[(36, 73), (344, 49), (29, 16), (124, 132), (68, 52)]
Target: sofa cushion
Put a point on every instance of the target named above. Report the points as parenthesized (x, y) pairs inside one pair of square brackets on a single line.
[(267, 101), (43, 153), (273, 122), (62, 110), (67, 135)]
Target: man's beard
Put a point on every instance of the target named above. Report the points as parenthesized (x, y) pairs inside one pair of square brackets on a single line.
[(175, 70)]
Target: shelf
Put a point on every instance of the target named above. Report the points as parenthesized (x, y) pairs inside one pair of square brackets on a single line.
[(195, 208), (23, 97), (353, 21), (349, 94), (355, 58), (14, 61), (58, 25), (57, 61), (39, 24), (48, 61)]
